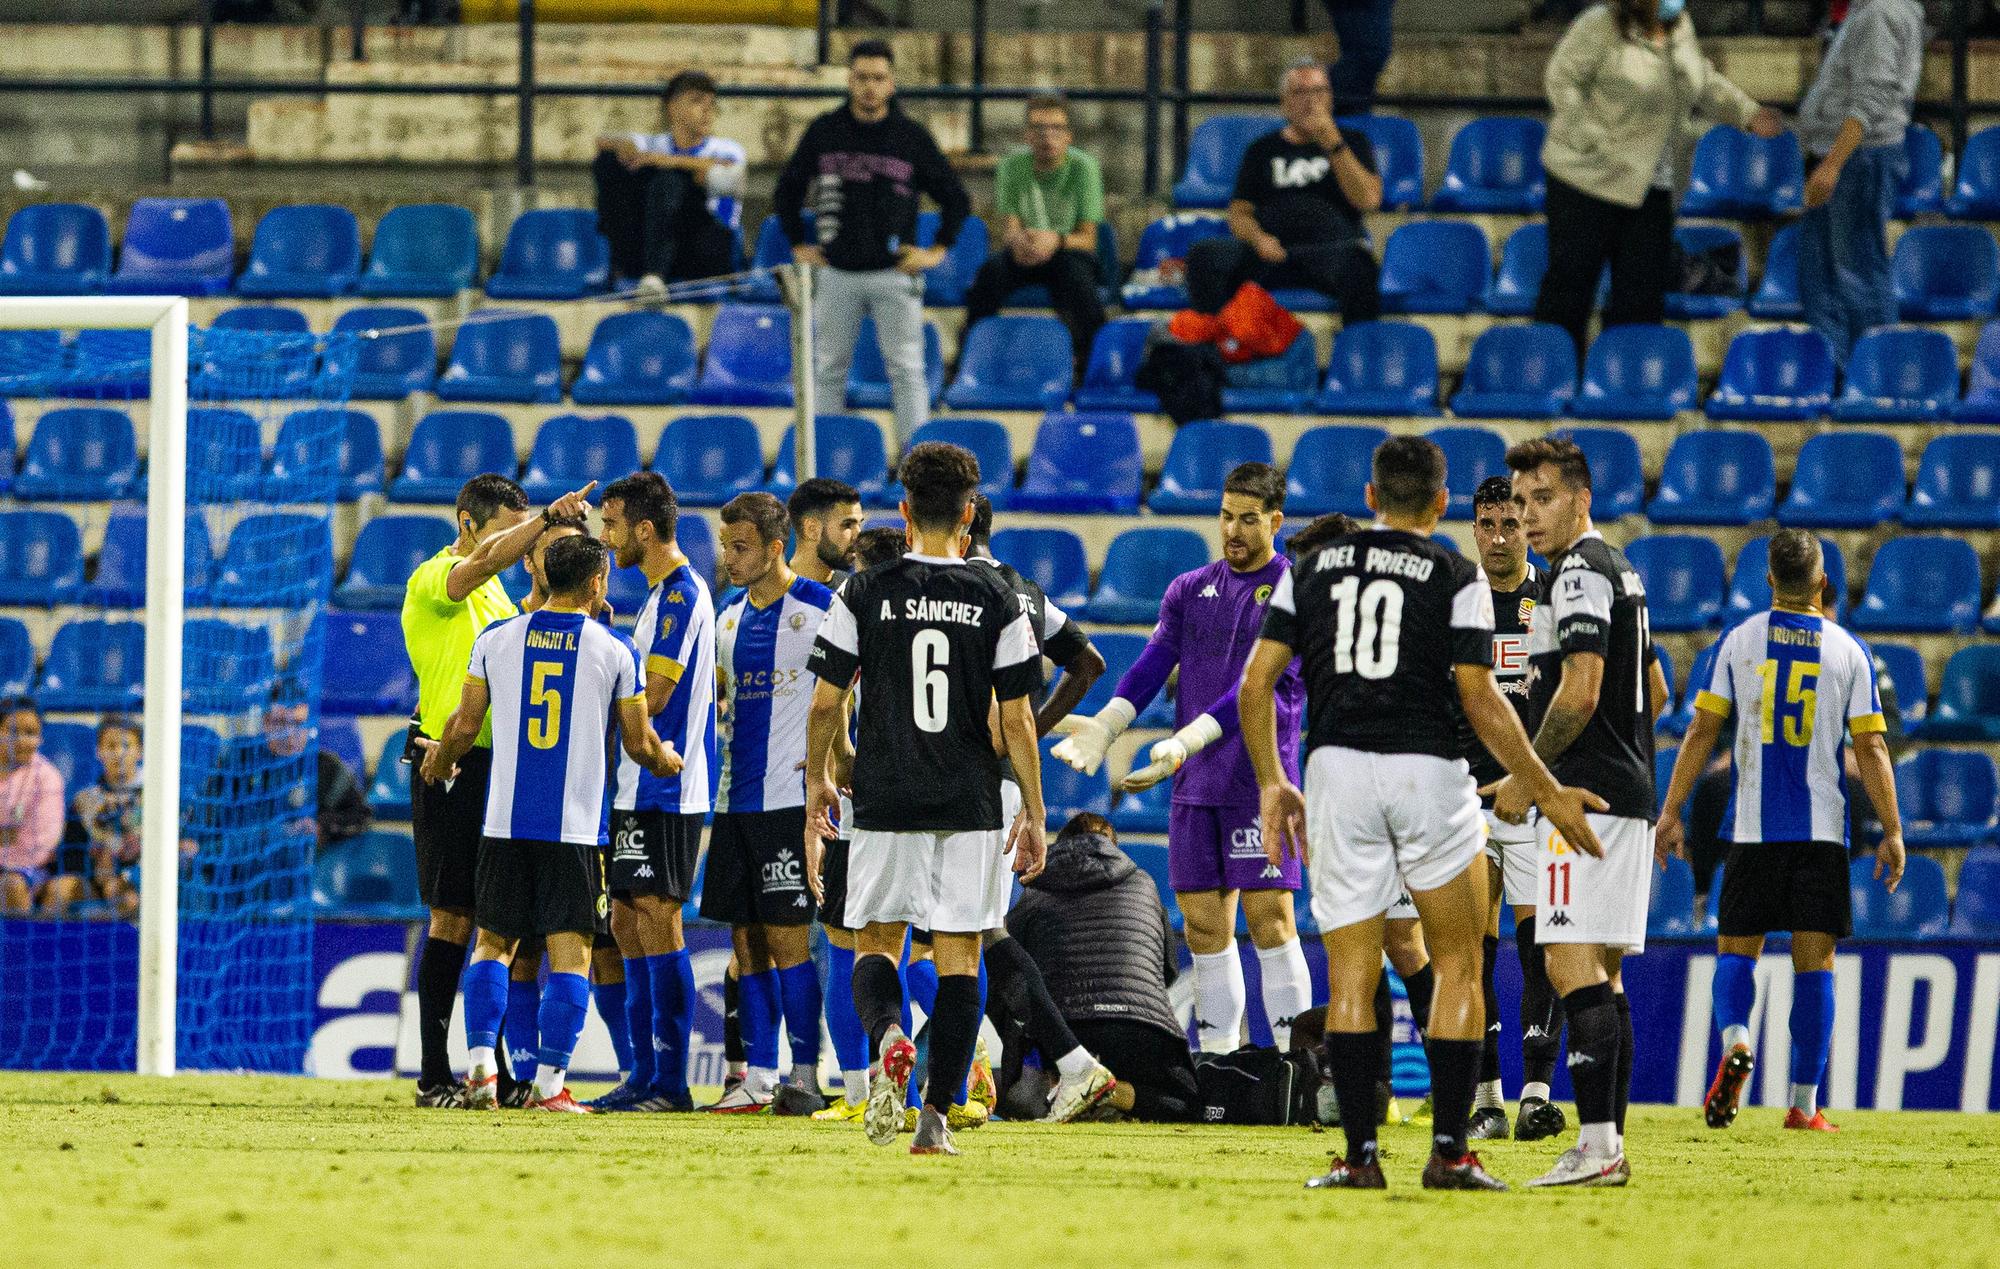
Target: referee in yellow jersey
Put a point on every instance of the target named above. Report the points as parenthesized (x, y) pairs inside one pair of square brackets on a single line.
[(451, 598)]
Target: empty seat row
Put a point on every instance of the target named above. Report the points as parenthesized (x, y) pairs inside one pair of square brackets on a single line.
[(271, 560)]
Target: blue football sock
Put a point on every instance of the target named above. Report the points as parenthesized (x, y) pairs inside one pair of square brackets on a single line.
[(850, 1040), (1812, 1025), (799, 988), (485, 984), (922, 977), (1735, 991), (523, 1007), (671, 977), (565, 1004), (610, 999), (639, 1023), (760, 1019)]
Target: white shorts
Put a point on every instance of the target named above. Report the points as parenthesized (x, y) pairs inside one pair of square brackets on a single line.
[(1380, 824), (1586, 900), (1000, 888), (1518, 851), (942, 882)]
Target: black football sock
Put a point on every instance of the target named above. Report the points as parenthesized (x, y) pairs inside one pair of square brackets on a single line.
[(437, 992), (1593, 1052), (954, 1032), (1385, 1027), (1624, 1007), (1420, 985), (1454, 1072), (1007, 962), (1489, 1051), (732, 1019), (878, 999), (1353, 1057), (1541, 1011)]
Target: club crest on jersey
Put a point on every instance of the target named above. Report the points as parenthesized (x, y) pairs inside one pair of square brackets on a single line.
[(797, 621), (1263, 594), (666, 624), (1527, 611)]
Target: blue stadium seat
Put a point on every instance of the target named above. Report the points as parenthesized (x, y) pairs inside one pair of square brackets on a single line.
[(1495, 166), (1471, 454), (1982, 392), (275, 560), (1677, 720), (1637, 372), (503, 355), (1777, 296), (848, 447), (1684, 576), (696, 537), (639, 358), (1845, 480), (1518, 372), (1921, 189), (1083, 462), (571, 451), (1137, 567), (96, 666), (1750, 582), (1381, 368), (945, 286), (1115, 355), (1053, 559), (387, 551), (1899, 374), (17, 658), (225, 454), (1946, 273), (298, 460), (267, 319), (72, 748), (224, 665), (1524, 258), (1015, 361), (1069, 792), (121, 561), (1664, 757), (425, 250), (1215, 152), (1120, 651), (627, 590), (363, 675), (278, 337), (1918, 910), (103, 364), (710, 458), (312, 250), (1921, 585), (1712, 476), (1774, 375), (390, 366), (1670, 911), (1958, 484), (1203, 453), (41, 559), (989, 443), (1035, 295), (55, 249), (1975, 193), (448, 448), (1436, 266), (1947, 799), (1617, 472), (1399, 157), (175, 246), (1695, 240), (1975, 910), (1738, 176), (1904, 666), (749, 359), (868, 375), (770, 251), (1330, 470), (32, 349), (374, 875), (389, 789), (1146, 812), (80, 454), (1968, 703), (553, 253), (341, 738), (1283, 384), (1163, 249)]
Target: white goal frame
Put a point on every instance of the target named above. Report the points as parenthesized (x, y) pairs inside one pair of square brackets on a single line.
[(166, 317)]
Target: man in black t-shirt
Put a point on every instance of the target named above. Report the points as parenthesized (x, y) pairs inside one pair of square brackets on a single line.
[(1295, 214)]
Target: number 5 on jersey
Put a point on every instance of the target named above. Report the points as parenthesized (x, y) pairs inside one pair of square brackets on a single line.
[(546, 731)]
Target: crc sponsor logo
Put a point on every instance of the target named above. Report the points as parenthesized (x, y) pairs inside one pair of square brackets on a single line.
[(785, 871), (629, 842), (1246, 843)]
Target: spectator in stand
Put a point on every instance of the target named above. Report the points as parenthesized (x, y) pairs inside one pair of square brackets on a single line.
[(31, 816), (862, 167), (669, 201), (110, 812), (1366, 31), (1621, 83), (1295, 214), (1851, 126), (1050, 198), (259, 783)]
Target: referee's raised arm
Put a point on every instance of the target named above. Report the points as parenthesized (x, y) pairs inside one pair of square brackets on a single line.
[(495, 553)]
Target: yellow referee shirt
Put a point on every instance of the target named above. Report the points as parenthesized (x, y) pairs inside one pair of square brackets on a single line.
[(438, 636)]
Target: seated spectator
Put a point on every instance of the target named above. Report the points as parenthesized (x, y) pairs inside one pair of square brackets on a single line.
[(1050, 198), (110, 812), (1094, 925), (1295, 214), (259, 785), (669, 201), (31, 816)]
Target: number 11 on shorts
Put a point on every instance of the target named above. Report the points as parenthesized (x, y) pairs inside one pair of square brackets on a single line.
[(1558, 877)]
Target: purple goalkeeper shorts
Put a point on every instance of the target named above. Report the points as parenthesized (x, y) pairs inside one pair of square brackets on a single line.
[(1222, 848)]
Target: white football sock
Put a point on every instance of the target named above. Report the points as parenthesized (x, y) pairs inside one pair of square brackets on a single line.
[(1287, 988), (1488, 1096), (549, 1081), (761, 1079), (1733, 1036), (1806, 1098), (735, 1071), (1075, 1063), (854, 1087), (1600, 1139), (1218, 999), (480, 1062), (1534, 1092)]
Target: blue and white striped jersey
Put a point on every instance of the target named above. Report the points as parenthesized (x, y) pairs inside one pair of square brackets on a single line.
[(677, 628), (1798, 684), (555, 680), (763, 653), (725, 179)]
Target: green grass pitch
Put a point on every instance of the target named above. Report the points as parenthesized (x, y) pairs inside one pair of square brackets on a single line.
[(220, 1171)]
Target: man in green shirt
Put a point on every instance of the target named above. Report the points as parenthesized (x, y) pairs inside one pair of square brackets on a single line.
[(1049, 199), (451, 597)]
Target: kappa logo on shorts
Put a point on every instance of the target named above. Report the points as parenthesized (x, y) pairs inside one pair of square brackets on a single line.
[(1272, 872), (643, 870), (1558, 918)]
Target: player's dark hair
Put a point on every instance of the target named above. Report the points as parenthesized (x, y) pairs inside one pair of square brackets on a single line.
[(760, 510), (981, 528), (818, 496), (13, 705), (569, 563), (1407, 472), (580, 523), (289, 689), (1795, 557), (690, 81), (1257, 480), (118, 722), (1320, 532), (1091, 824), (1049, 101), (937, 479), (1572, 468), (1493, 491), (879, 546), (648, 499), (871, 48), (483, 496)]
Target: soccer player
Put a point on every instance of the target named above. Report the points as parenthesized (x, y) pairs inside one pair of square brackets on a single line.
[(934, 641), (1208, 625), (756, 869), (1798, 685), (556, 681), (657, 819), (1589, 650), (450, 598), (1382, 621)]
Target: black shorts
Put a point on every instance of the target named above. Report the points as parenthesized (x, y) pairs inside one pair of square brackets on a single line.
[(756, 869), (833, 886), (600, 872), (654, 853), (447, 824), (537, 888), (1786, 887)]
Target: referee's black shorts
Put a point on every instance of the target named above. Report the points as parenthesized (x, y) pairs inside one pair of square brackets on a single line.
[(447, 823), (654, 853), (1785, 887), (529, 889)]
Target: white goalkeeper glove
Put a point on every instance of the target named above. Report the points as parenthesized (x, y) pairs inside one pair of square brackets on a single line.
[(1089, 738), (1166, 757)]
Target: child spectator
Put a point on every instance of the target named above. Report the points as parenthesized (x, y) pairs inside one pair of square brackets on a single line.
[(31, 816), (110, 814)]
